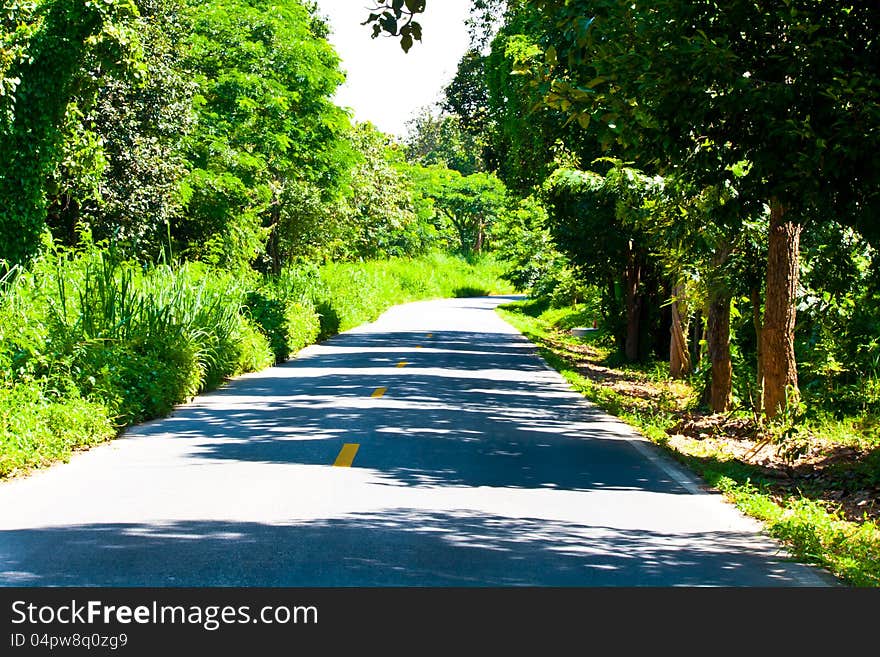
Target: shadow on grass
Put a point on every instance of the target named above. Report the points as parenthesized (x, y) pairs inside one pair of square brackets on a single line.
[(468, 291)]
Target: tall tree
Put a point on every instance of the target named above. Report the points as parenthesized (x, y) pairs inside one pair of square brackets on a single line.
[(266, 121), (471, 203), (44, 48), (467, 95), (121, 159), (443, 139), (696, 86)]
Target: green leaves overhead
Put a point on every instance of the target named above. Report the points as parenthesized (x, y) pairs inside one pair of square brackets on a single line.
[(395, 18), (792, 89)]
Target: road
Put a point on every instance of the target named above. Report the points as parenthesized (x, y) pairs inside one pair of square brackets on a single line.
[(432, 447)]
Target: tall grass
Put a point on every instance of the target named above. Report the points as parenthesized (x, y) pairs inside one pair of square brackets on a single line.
[(90, 344)]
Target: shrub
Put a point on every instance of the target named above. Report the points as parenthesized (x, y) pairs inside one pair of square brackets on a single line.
[(36, 430)]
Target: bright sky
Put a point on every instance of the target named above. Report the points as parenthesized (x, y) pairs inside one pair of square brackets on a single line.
[(385, 85)]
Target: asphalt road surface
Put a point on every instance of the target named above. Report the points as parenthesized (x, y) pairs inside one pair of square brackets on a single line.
[(430, 448)]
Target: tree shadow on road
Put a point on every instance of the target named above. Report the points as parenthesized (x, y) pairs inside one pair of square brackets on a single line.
[(397, 547), (467, 410)]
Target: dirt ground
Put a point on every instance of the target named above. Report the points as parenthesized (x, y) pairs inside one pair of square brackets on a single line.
[(841, 476), (818, 469)]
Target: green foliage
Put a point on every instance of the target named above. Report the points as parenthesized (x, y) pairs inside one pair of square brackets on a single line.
[(43, 47), (599, 223), (467, 95), (121, 164), (696, 87), (138, 341), (525, 135), (383, 220), (444, 140), (471, 204), (849, 550), (839, 323), (521, 237), (37, 428), (266, 125), (287, 320)]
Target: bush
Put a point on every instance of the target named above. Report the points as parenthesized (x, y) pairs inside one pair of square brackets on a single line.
[(36, 430)]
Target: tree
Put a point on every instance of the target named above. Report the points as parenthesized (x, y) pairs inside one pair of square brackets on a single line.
[(791, 90), (527, 139), (383, 221), (598, 222), (467, 95), (697, 87), (121, 160), (42, 51), (521, 238), (442, 139), (266, 122), (470, 203)]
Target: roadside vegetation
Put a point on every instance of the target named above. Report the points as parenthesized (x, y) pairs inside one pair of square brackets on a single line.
[(814, 483), (181, 202), (90, 344)]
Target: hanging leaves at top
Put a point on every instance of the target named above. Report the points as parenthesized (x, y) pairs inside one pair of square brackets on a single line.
[(395, 18)]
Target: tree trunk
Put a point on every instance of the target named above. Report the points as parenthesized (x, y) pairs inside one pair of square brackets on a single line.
[(679, 357), (755, 295), (633, 307), (718, 334), (696, 347), (777, 334)]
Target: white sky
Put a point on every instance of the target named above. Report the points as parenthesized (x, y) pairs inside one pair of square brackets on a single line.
[(384, 85)]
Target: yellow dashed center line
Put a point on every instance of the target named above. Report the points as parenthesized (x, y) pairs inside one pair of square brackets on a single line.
[(378, 392), (402, 363), (346, 455)]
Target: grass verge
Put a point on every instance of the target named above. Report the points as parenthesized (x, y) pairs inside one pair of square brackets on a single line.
[(789, 502)]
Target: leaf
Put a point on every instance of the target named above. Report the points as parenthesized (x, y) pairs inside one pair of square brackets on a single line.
[(406, 42), (415, 6), (388, 23)]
